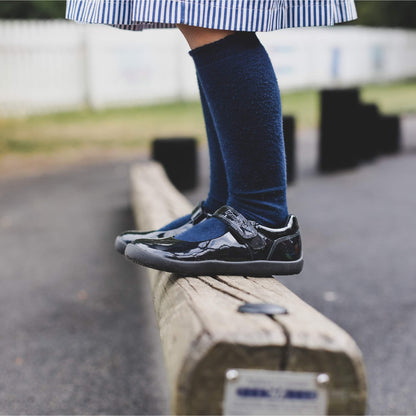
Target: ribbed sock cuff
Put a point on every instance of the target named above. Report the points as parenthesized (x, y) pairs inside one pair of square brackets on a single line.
[(238, 42)]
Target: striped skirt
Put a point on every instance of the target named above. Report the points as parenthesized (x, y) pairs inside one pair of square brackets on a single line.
[(240, 15)]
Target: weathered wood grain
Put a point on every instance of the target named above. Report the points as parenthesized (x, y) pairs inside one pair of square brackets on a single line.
[(203, 335)]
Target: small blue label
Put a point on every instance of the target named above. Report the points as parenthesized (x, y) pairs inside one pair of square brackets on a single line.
[(277, 393)]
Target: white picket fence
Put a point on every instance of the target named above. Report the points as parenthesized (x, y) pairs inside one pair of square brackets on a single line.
[(48, 66)]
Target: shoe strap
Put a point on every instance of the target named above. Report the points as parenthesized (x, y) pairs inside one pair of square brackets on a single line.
[(241, 228), (198, 213)]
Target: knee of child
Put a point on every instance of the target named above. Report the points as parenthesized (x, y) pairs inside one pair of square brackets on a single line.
[(200, 36)]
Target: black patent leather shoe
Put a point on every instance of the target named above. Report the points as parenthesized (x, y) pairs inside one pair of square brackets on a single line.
[(247, 248), (198, 214)]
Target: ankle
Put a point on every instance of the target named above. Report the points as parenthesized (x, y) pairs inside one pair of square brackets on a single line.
[(211, 204), (268, 216)]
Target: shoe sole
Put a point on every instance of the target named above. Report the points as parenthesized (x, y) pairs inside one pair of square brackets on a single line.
[(120, 245), (256, 268)]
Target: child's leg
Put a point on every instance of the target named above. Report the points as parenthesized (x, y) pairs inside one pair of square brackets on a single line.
[(218, 192), (218, 189), (200, 36), (217, 195), (243, 96)]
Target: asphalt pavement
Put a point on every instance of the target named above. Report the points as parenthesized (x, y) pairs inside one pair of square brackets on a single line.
[(358, 231), (78, 335)]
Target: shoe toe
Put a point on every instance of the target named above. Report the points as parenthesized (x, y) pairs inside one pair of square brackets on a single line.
[(143, 254), (120, 244)]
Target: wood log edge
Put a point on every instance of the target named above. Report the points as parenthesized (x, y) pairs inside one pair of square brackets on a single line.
[(203, 335)]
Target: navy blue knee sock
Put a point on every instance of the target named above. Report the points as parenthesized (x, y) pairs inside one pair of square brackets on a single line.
[(244, 100), (218, 192)]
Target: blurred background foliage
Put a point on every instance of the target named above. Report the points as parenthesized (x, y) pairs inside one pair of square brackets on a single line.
[(383, 13), (387, 13), (38, 9)]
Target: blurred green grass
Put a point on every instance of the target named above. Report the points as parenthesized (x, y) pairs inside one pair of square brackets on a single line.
[(134, 128)]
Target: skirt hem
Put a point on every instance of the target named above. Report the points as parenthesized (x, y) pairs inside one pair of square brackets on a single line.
[(152, 14)]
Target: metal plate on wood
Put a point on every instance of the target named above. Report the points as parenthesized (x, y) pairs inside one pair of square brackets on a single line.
[(264, 308), (265, 392)]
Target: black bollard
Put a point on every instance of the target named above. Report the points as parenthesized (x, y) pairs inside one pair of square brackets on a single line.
[(389, 134), (289, 129), (338, 147), (368, 132), (178, 156)]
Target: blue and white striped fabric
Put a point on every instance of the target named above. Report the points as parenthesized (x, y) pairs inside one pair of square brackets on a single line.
[(241, 15)]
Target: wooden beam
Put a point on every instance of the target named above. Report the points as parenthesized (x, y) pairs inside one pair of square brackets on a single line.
[(203, 335)]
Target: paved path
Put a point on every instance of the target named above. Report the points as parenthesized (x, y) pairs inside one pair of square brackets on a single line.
[(358, 230), (78, 335)]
